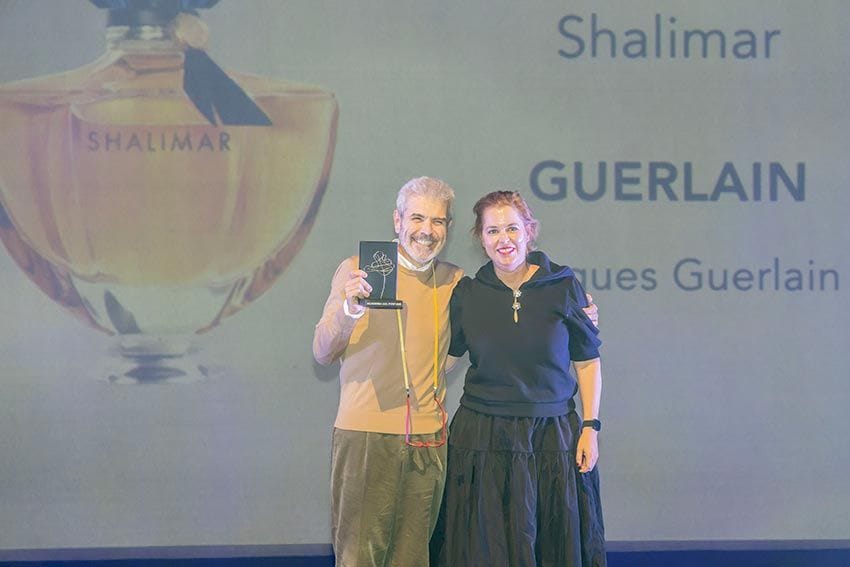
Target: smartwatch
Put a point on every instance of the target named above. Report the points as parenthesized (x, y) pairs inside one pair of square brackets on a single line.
[(594, 424)]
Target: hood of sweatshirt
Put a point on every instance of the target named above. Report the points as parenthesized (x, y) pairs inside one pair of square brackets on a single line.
[(547, 271)]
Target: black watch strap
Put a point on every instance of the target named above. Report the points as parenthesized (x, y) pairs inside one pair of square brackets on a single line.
[(594, 424)]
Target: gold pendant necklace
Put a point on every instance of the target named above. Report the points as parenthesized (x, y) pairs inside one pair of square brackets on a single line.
[(517, 293)]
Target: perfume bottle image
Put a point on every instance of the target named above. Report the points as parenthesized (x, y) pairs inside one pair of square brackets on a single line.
[(152, 194)]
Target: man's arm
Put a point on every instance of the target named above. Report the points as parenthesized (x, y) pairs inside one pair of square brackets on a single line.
[(592, 311), (335, 327)]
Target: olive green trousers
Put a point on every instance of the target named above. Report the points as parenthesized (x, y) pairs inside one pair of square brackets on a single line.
[(385, 498)]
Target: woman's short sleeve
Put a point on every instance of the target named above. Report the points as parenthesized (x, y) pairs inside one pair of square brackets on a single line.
[(584, 341)]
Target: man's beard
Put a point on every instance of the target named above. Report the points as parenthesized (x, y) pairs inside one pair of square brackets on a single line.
[(425, 242)]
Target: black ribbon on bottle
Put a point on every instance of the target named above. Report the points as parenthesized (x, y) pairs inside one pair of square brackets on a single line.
[(215, 94)]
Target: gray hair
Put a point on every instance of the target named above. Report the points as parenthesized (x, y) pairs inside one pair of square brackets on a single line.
[(426, 187)]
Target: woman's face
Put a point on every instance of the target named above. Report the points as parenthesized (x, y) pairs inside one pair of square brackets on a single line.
[(504, 237)]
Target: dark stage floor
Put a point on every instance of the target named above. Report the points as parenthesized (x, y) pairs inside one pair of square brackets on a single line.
[(810, 553)]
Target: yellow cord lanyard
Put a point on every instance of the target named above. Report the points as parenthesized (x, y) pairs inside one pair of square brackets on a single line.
[(408, 420)]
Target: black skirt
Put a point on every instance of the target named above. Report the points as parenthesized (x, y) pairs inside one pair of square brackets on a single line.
[(514, 496)]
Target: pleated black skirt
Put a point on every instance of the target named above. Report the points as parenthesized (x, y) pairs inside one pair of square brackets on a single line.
[(514, 497)]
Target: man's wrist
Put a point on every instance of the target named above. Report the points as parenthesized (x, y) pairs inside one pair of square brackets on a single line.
[(348, 312)]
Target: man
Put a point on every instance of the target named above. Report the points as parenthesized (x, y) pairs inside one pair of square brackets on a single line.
[(389, 451), (385, 492)]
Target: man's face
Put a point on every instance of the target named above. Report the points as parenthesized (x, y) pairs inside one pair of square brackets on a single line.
[(421, 228)]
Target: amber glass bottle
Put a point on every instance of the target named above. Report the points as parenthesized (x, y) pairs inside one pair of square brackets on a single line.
[(151, 193)]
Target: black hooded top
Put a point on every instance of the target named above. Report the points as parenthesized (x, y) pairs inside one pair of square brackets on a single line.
[(522, 368)]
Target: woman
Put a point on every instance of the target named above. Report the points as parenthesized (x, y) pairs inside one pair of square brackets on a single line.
[(522, 488)]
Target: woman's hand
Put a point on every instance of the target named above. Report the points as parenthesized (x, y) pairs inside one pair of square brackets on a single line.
[(587, 450)]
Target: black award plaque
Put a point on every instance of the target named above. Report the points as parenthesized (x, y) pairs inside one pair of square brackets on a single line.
[(380, 262)]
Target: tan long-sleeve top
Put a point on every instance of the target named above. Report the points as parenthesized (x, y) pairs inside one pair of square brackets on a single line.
[(372, 394)]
